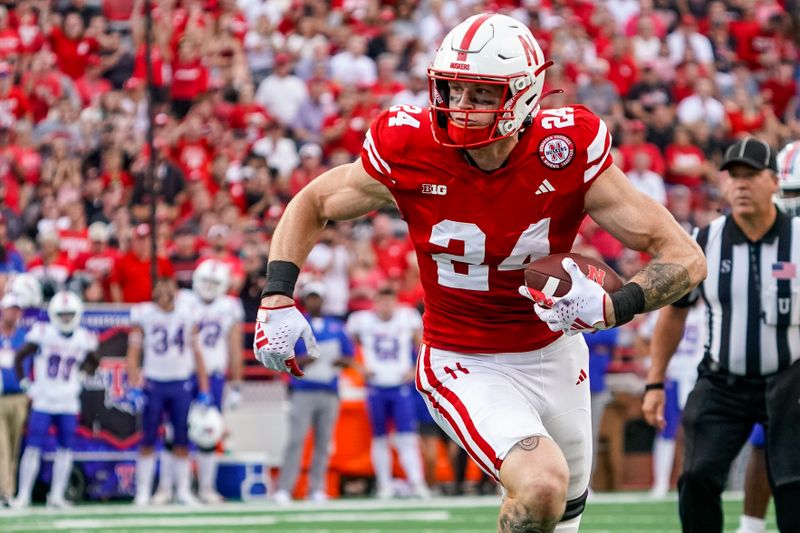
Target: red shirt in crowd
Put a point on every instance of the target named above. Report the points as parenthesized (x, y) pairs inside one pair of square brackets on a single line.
[(73, 243), (10, 43), (779, 94), (132, 273), (189, 79), (100, 265), (622, 73), (744, 123), (629, 151), (391, 256), (684, 156), (72, 54), (89, 89), (194, 158), (161, 70), (14, 104), (28, 162), (59, 270), (44, 90)]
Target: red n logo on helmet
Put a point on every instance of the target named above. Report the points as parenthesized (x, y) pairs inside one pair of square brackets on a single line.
[(530, 49)]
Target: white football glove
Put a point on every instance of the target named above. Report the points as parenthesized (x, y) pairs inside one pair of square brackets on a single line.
[(582, 309), (233, 399), (277, 331)]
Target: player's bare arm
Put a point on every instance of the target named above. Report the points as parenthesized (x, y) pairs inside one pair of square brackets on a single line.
[(25, 351), (199, 363), (235, 352), (666, 337), (91, 362), (342, 193), (133, 355), (641, 223)]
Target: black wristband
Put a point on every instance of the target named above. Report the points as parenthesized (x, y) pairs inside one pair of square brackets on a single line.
[(281, 278), (654, 386), (627, 302)]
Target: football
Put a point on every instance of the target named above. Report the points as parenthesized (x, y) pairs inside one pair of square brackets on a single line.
[(548, 276)]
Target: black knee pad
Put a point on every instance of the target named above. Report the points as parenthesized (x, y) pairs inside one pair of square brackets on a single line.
[(575, 507), (169, 445)]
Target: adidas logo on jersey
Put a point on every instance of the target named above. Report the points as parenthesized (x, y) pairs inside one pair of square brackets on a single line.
[(581, 377), (545, 187)]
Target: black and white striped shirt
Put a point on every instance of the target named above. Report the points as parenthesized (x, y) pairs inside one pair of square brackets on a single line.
[(752, 296)]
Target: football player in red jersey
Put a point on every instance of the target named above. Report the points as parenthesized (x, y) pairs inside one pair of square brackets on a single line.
[(487, 181)]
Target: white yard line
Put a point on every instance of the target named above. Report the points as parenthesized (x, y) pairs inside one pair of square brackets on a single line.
[(112, 523)]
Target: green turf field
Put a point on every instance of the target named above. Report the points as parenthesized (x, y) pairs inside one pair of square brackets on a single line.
[(619, 513)]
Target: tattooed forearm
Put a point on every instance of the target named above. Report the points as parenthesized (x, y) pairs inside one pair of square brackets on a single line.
[(514, 518), (662, 283)]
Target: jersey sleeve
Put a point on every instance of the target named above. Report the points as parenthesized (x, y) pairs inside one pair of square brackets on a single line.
[(237, 310), (353, 325), (382, 145), (92, 344), (36, 334), (594, 143), (137, 315)]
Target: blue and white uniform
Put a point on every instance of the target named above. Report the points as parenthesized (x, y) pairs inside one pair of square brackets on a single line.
[(168, 366), (389, 356)]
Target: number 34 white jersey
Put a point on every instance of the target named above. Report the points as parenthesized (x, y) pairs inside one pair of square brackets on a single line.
[(56, 384), (167, 343), (215, 320), (386, 344)]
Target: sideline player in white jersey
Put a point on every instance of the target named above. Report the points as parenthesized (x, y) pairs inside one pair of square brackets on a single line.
[(62, 351), (219, 321), (388, 336), (220, 330), (680, 379), (166, 331)]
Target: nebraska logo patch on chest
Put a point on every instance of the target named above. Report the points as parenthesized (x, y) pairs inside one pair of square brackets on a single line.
[(556, 151)]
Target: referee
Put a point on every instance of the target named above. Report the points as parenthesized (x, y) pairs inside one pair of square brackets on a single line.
[(750, 371)]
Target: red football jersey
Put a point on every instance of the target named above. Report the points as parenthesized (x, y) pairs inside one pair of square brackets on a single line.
[(474, 232)]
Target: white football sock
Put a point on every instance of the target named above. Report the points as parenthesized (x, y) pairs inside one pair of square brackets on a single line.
[(751, 524), (166, 467), (663, 458), (381, 461), (62, 466), (28, 470), (145, 468), (408, 450), (207, 471), (183, 476)]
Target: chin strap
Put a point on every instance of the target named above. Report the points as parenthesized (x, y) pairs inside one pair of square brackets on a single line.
[(467, 136)]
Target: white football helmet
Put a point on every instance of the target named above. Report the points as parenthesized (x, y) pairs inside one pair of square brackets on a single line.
[(27, 289), (65, 311), (788, 197), (205, 425), (211, 279), (490, 49)]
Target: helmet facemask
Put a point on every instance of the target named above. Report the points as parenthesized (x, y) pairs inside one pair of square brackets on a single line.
[(788, 201), (452, 132), (788, 196), (65, 311)]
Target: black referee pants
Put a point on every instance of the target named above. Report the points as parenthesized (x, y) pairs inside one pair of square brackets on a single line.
[(717, 421)]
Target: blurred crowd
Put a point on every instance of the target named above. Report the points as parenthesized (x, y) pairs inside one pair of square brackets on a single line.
[(254, 99)]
